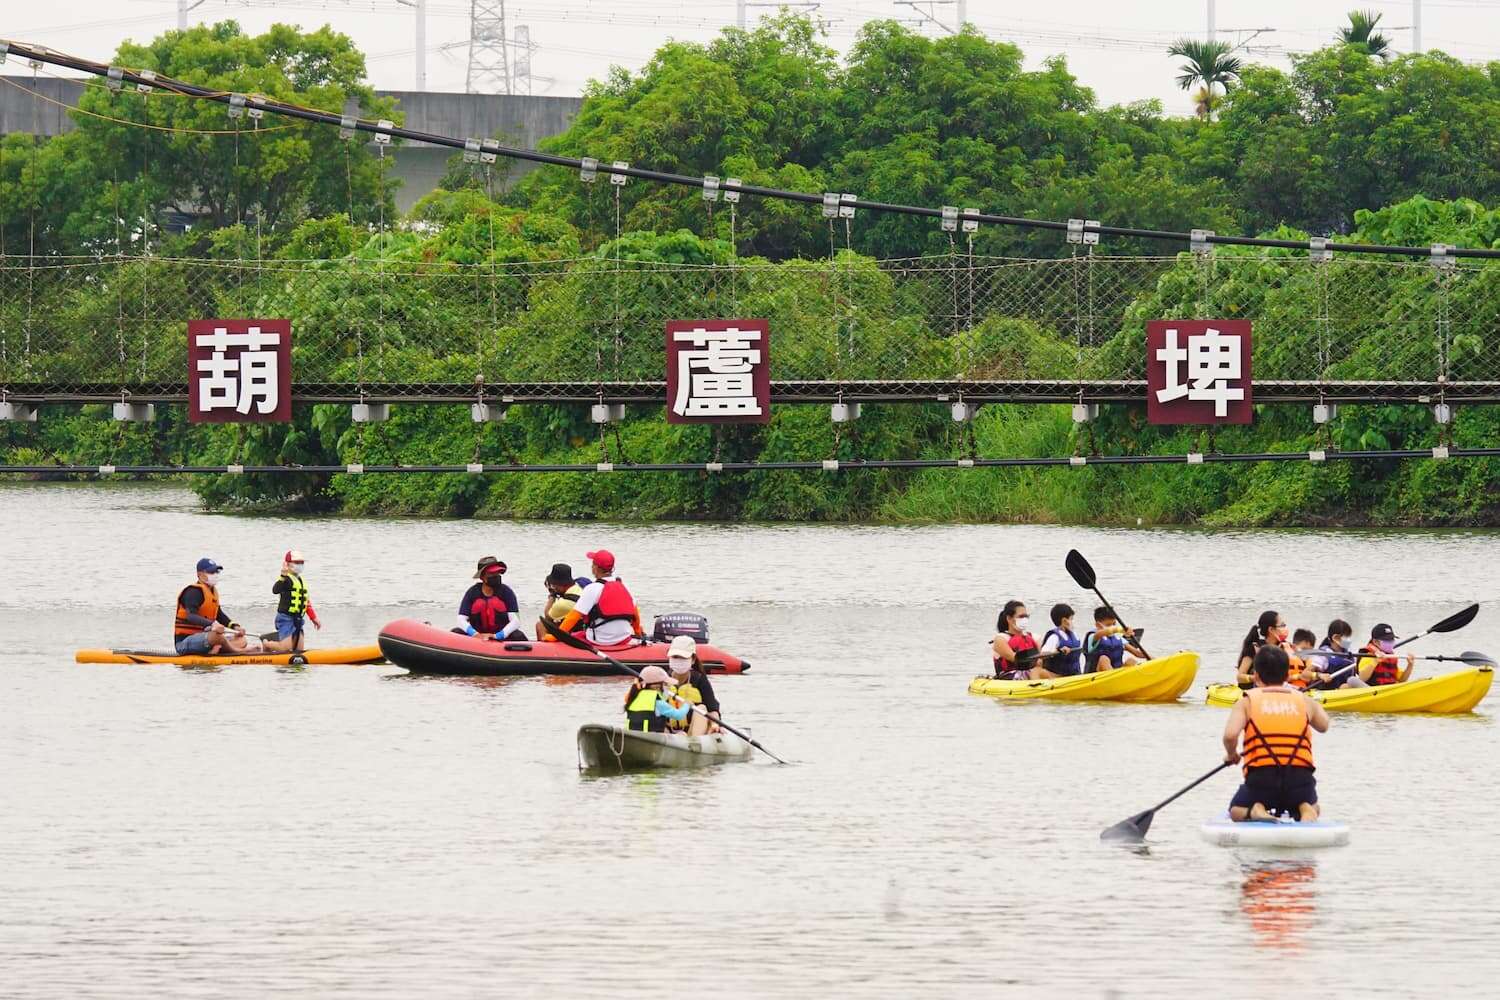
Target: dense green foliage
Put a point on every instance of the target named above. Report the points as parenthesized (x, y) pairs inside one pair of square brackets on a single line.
[(1405, 150)]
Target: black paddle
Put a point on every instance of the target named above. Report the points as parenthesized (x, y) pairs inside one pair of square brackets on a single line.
[(569, 639), (1083, 575), (1452, 623), (1133, 830)]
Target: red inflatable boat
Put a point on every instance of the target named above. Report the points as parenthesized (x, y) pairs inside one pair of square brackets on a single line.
[(424, 649)]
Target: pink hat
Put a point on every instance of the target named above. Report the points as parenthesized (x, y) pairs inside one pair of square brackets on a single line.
[(654, 675)]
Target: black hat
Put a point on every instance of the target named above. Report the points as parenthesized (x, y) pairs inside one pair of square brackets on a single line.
[(485, 564), (1383, 632), (561, 573)]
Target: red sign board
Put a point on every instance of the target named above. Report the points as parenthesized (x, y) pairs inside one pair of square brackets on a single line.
[(1198, 371), (718, 371), (239, 370)]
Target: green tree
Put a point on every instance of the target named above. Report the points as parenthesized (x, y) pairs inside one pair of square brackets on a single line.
[(1210, 65), (1362, 35)]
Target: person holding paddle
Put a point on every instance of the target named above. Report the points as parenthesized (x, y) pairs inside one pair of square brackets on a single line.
[(1379, 667), (1014, 648), (1270, 731)]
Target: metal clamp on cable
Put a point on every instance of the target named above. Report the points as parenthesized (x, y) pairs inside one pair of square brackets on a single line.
[(830, 205), (236, 105), (617, 176), (488, 151), (588, 169), (732, 189), (1085, 231), (1442, 257), (1318, 250), (383, 135), (148, 77), (114, 79), (846, 206), (710, 187), (971, 225), (471, 150), (347, 125), (257, 107), (1199, 242), (949, 219)]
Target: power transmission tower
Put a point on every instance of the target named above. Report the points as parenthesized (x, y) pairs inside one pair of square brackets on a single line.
[(521, 70), (489, 58)]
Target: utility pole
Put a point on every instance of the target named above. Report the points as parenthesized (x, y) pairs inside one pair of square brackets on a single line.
[(1416, 25), (183, 6), (1211, 31), (963, 14), (420, 8), (739, 14)]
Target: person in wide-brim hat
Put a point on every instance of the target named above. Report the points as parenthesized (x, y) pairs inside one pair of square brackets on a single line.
[(563, 592)]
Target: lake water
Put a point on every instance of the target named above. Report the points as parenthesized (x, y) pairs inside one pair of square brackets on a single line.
[(356, 832)]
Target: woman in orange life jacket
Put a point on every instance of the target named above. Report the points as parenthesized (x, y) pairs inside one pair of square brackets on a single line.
[(1379, 666), (1270, 732), (1270, 630), (1013, 640), (606, 605), (648, 709)]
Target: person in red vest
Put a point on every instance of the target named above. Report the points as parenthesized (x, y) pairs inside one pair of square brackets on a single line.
[(606, 605), (1379, 665), (488, 609), (1270, 732)]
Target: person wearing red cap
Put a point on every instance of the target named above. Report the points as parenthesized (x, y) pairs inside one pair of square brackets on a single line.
[(605, 604), (293, 608)]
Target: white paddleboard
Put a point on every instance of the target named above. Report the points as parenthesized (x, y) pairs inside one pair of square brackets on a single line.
[(1281, 833)]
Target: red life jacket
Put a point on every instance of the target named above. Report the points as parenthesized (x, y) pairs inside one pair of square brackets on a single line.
[(614, 605), (1387, 668), (489, 613), (1018, 645)]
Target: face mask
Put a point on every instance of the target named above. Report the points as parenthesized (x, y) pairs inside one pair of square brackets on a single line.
[(1023, 623), (1386, 646), (212, 579), (297, 567)]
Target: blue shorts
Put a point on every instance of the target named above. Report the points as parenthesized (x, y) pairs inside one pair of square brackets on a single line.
[(197, 644), (288, 625)]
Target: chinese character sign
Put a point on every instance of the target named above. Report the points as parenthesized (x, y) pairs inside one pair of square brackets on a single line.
[(718, 371), (239, 370), (1198, 371)]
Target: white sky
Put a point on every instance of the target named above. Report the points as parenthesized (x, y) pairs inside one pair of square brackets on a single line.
[(1116, 47)]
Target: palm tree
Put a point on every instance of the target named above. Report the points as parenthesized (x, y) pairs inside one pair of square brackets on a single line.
[(1209, 64), (1362, 35)]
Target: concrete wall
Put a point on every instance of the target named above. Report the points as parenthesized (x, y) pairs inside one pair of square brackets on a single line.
[(518, 120)]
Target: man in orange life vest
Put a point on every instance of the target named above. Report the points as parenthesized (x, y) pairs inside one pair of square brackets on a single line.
[(605, 604), (1270, 731), (202, 627)]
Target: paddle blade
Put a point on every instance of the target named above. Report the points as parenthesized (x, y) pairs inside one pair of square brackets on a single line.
[(1474, 659), (1455, 622), (1129, 831), (1080, 570)]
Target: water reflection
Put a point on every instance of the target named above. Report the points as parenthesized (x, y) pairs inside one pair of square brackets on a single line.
[(1279, 897)]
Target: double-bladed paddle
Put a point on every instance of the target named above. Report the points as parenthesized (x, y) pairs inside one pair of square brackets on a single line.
[(1083, 575), (567, 638), (1133, 830), (1452, 623)]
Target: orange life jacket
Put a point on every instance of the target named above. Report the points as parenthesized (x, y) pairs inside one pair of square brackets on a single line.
[(1295, 676), (209, 609), (1277, 733)]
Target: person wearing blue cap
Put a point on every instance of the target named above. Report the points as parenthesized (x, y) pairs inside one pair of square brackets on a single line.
[(202, 627)]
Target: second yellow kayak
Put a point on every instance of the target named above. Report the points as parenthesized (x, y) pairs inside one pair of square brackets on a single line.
[(1447, 694), (1159, 680)]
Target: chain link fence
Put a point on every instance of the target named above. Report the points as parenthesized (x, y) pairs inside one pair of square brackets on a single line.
[(418, 329)]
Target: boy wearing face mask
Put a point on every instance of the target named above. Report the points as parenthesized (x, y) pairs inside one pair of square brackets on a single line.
[(294, 608), (1380, 667), (202, 627)]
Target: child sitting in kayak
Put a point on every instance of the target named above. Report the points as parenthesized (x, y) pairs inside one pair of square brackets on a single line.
[(1270, 732), (1061, 645), (1110, 646), (1303, 669), (1333, 659), (647, 707)]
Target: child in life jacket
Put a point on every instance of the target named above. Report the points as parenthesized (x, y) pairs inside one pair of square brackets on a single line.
[(1061, 646), (1270, 732), (1109, 646)]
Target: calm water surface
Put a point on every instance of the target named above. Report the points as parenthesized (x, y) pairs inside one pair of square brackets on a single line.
[(355, 832)]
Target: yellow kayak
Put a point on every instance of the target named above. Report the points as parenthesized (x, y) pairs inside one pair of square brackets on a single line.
[(1448, 694), (348, 655), (1162, 679)]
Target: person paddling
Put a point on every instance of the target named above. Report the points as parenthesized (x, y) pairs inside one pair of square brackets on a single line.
[(488, 609), (202, 628), (605, 604), (1270, 732), (1270, 629), (563, 592), (647, 707), (1333, 655), (1379, 666), (293, 608), (1012, 641), (1109, 646), (692, 686)]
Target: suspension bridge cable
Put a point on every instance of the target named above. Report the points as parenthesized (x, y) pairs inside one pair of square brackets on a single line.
[(287, 109)]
